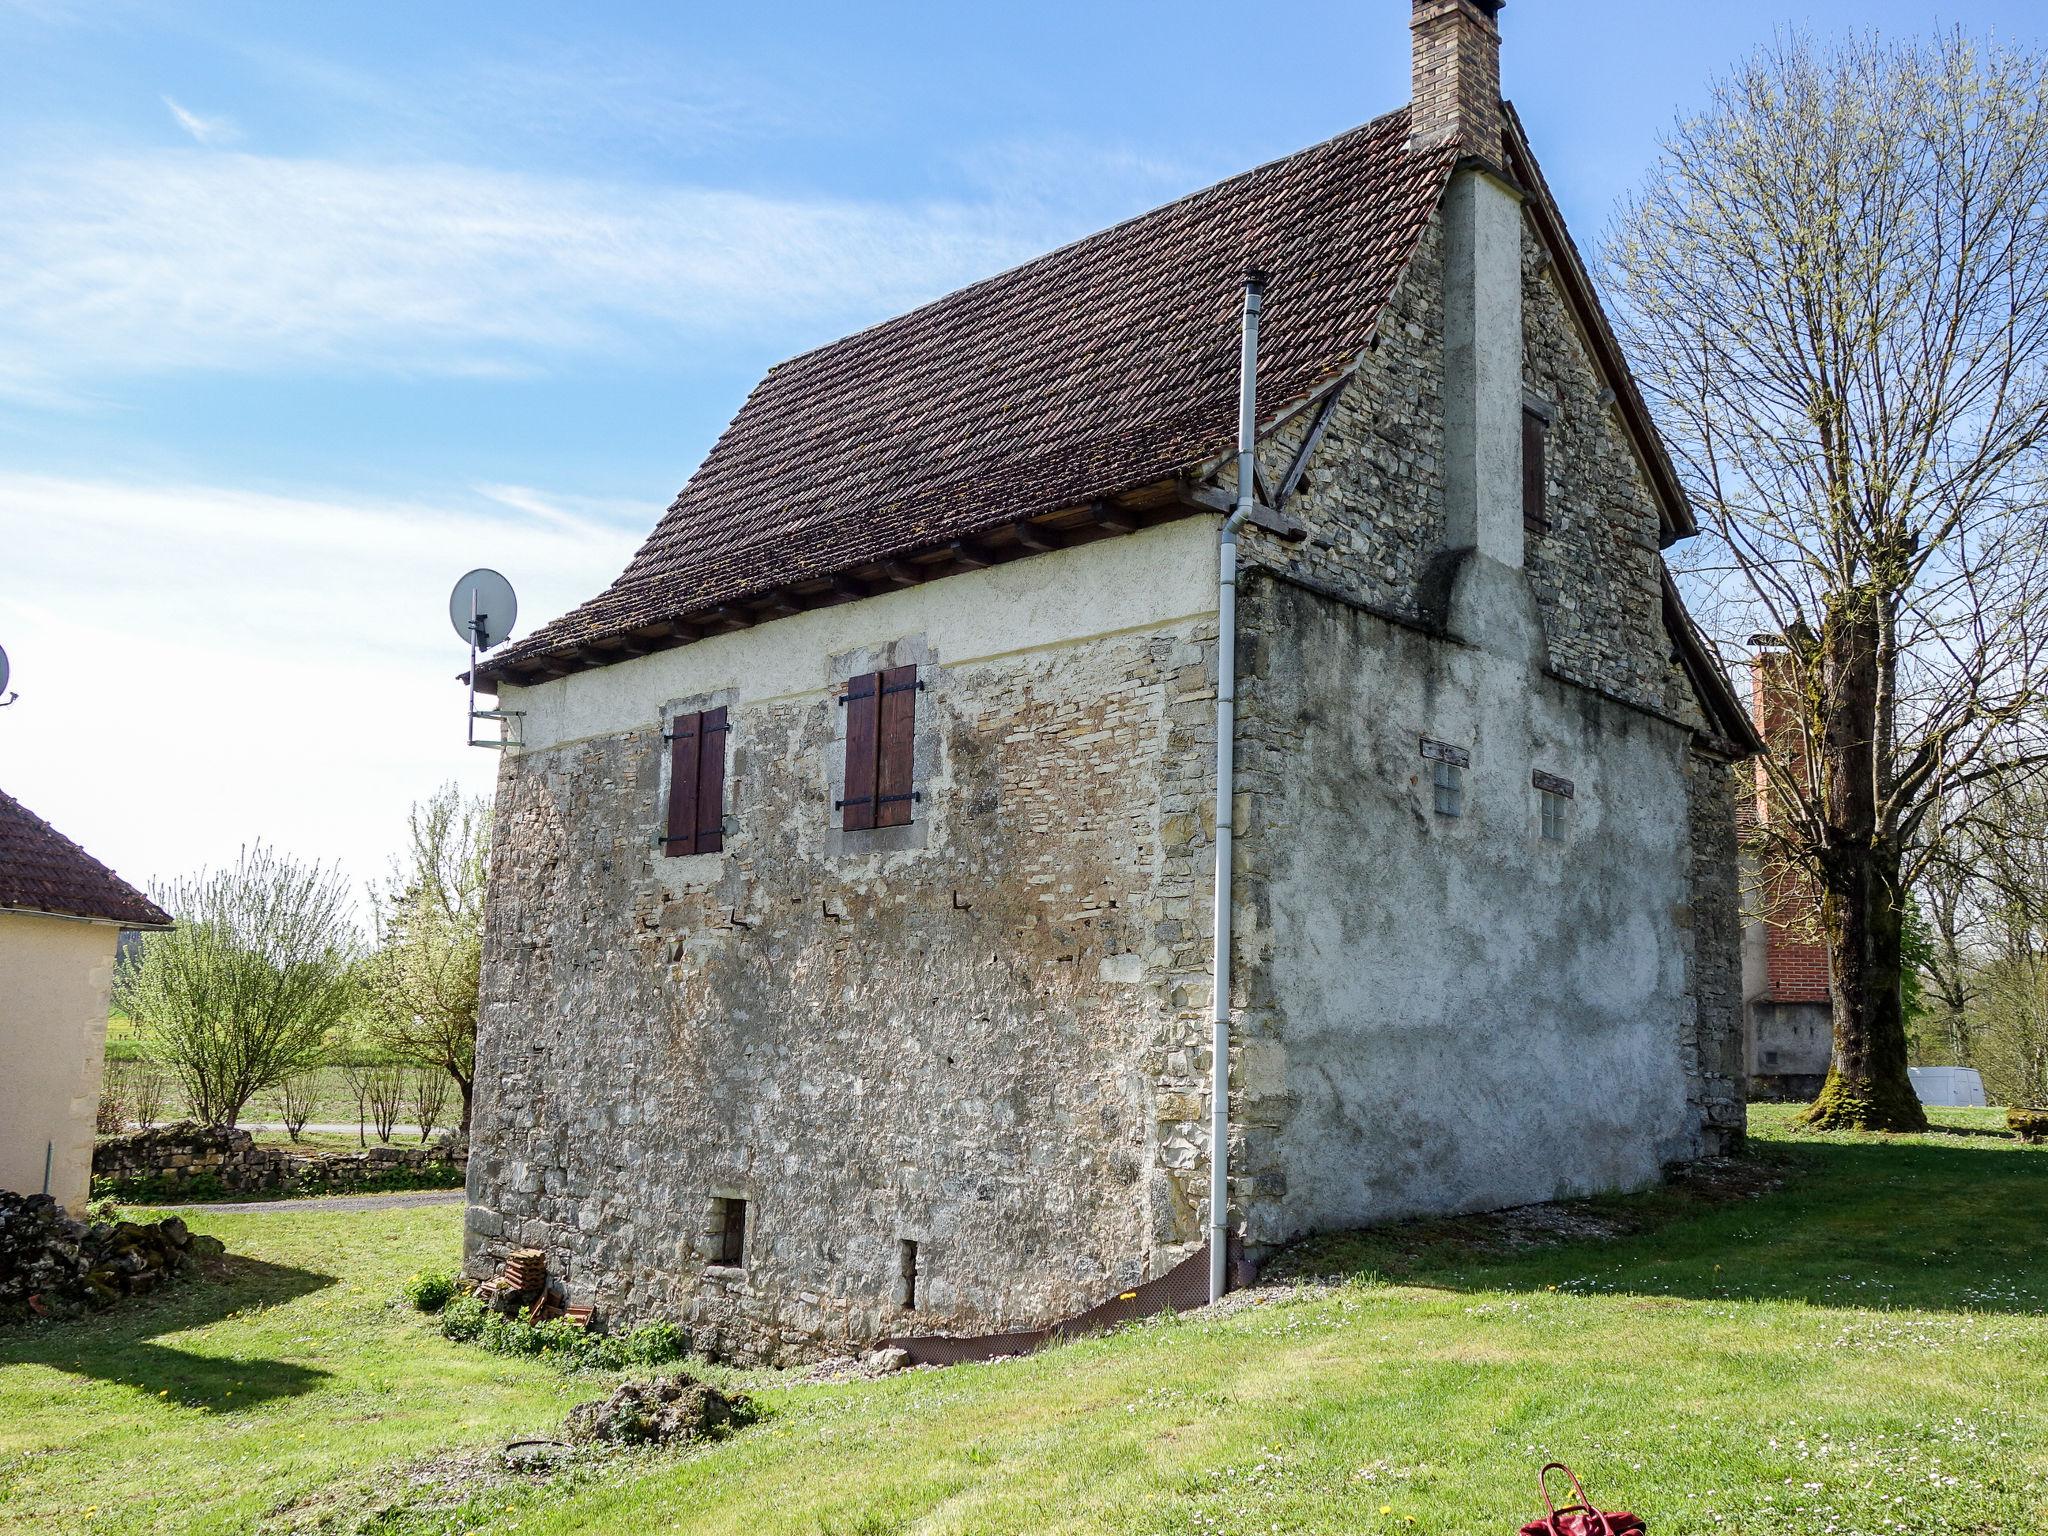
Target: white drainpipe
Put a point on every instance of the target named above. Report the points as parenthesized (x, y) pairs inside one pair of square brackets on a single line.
[(1226, 746)]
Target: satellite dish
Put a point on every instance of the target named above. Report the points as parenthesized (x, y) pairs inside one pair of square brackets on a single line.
[(482, 608), (6, 698)]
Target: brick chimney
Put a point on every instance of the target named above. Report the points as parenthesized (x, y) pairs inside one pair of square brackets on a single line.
[(1457, 76)]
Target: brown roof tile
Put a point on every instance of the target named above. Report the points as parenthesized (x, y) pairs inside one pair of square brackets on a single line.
[(1106, 365), (42, 870)]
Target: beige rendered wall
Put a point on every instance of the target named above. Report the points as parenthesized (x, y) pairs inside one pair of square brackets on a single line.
[(55, 974)]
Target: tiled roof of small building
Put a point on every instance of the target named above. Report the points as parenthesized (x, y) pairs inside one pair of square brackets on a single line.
[(42, 870), (1107, 365)]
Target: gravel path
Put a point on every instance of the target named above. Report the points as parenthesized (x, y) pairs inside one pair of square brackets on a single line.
[(385, 1202)]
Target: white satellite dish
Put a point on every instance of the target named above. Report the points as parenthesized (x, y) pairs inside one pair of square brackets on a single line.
[(482, 608)]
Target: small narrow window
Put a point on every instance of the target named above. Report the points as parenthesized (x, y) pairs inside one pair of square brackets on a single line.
[(1449, 785), (1447, 775), (731, 1216), (1535, 471), (881, 735), (1554, 799), (696, 784), (906, 1266)]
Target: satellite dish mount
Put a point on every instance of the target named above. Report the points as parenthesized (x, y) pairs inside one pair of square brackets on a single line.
[(482, 608)]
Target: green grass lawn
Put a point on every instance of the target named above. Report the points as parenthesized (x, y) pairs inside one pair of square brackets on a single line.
[(1862, 1349)]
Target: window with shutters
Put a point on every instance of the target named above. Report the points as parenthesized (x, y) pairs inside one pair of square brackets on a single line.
[(881, 738), (1535, 471), (696, 784)]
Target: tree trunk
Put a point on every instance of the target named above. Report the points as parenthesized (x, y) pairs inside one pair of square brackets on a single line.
[(1862, 909), (1867, 1088), (468, 1088)]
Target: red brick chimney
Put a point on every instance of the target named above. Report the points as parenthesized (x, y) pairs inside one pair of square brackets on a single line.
[(1795, 959), (1457, 77)]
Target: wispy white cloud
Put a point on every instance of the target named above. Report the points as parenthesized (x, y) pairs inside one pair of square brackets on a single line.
[(200, 665), (239, 261), (207, 130)]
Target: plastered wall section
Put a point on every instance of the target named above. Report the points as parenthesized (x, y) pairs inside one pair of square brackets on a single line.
[(55, 975), (952, 1034)]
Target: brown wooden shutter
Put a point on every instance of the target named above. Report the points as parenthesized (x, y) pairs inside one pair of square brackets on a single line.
[(863, 697), (710, 817), (1535, 507), (685, 743), (894, 757)]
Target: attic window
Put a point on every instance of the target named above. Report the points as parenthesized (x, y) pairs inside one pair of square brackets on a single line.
[(1535, 470)]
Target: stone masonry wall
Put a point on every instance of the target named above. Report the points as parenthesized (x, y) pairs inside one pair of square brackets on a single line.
[(176, 1154), (963, 1033), (1715, 1068), (1373, 495)]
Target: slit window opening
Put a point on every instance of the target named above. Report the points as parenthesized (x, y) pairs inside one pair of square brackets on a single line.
[(1554, 807), (906, 1261), (732, 1232)]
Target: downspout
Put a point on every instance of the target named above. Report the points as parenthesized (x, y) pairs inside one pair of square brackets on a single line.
[(1226, 750)]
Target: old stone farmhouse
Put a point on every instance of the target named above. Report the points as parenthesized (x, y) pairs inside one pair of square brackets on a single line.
[(849, 959)]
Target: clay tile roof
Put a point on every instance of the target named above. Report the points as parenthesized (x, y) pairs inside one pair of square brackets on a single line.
[(42, 870), (1104, 366)]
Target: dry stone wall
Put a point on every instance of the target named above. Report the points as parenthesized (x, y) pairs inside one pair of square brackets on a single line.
[(167, 1161)]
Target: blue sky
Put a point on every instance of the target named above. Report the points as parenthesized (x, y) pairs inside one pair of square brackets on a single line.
[(306, 308)]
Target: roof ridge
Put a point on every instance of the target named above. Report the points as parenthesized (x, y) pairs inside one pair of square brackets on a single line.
[(1005, 274)]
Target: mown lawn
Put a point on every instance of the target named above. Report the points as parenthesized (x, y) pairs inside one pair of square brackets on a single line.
[(1863, 1348)]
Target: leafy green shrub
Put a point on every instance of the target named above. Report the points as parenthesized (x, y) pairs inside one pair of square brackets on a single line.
[(429, 1290), (469, 1321), (463, 1319)]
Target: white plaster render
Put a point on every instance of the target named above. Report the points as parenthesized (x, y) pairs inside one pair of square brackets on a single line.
[(1156, 577)]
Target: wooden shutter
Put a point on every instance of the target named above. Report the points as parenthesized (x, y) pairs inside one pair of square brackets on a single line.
[(893, 757), (685, 742), (710, 820), (861, 702), (1535, 508)]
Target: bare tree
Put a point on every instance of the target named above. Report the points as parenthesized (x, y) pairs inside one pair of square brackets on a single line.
[(423, 976), (295, 1098), (145, 1083), (429, 1099), (384, 1088), (248, 986), (1835, 287)]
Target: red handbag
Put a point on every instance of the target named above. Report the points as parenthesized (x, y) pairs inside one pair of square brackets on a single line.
[(1580, 1519)]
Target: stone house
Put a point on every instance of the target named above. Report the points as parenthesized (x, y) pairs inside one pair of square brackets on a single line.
[(848, 964), (62, 914)]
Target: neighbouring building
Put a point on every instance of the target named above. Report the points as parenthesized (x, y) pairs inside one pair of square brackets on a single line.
[(62, 913), (848, 961), (1788, 1031)]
